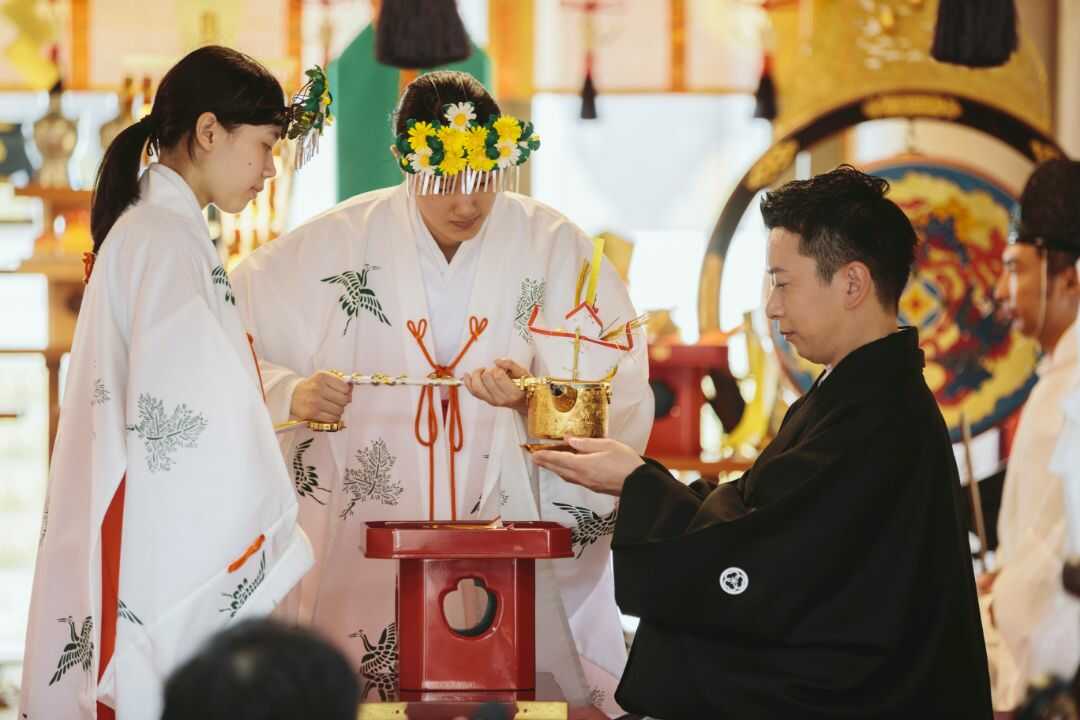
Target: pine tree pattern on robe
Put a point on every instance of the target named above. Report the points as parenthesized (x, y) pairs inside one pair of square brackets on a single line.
[(220, 277), (357, 296), (371, 478), (305, 477), (79, 651), (531, 295), (379, 664), (245, 589), (164, 434), (590, 525)]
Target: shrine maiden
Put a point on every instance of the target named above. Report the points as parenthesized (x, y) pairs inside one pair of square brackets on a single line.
[(169, 513), (439, 275)]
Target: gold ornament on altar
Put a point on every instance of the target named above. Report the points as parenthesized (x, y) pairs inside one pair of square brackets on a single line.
[(55, 137), (854, 50)]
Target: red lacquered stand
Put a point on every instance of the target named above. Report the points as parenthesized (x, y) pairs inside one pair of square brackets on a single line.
[(433, 557)]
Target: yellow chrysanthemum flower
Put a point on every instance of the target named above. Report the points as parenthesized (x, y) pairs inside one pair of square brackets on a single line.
[(480, 161), (453, 140), (452, 164), (508, 128), (419, 133)]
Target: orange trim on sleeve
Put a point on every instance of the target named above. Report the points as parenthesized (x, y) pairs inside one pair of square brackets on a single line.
[(112, 527), (252, 549)]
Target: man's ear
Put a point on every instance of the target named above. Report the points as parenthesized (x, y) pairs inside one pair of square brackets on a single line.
[(1070, 281), (857, 284)]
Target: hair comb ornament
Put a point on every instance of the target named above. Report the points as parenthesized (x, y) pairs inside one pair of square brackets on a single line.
[(309, 115)]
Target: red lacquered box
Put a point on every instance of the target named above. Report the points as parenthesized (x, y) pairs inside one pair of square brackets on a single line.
[(433, 557)]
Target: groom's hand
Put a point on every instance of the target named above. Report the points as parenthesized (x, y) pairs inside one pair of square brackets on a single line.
[(600, 465)]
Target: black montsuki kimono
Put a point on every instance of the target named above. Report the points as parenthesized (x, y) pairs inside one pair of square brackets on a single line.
[(831, 581)]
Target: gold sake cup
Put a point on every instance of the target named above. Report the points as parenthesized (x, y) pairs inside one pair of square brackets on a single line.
[(560, 408)]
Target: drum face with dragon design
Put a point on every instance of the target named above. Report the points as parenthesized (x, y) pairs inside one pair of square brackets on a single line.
[(975, 363)]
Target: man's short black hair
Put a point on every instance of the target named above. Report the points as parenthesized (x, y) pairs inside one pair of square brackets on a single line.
[(843, 216), (1050, 207), (263, 670)]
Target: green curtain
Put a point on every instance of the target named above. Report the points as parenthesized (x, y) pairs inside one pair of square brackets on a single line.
[(365, 94)]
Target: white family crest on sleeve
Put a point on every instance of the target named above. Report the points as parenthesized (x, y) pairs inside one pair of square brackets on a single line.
[(734, 581)]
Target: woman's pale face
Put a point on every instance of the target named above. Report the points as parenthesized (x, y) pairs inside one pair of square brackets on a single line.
[(238, 167), (454, 218)]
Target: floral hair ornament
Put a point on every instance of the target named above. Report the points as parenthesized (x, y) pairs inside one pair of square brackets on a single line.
[(309, 114), (461, 155)]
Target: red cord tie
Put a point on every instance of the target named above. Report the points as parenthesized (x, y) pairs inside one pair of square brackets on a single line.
[(453, 418)]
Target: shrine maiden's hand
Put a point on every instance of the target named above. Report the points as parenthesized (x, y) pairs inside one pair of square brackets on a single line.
[(600, 465), (321, 397), (493, 385)]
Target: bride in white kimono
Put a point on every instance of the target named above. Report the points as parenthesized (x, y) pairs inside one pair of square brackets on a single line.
[(169, 513), (438, 275)]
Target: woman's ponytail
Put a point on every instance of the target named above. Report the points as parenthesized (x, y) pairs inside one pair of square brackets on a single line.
[(117, 184)]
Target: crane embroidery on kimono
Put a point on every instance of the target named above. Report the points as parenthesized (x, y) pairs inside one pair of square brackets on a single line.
[(305, 477), (80, 651), (371, 478), (245, 590), (125, 612), (591, 526), (379, 664), (357, 296), (164, 434), (220, 277)]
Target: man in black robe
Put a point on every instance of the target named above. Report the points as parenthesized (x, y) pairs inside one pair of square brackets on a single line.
[(832, 580)]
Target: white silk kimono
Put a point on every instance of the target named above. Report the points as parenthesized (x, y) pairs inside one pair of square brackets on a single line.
[(165, 461), (346, 292), (1037, 622)]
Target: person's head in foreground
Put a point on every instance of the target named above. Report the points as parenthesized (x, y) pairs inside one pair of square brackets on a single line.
[(1038, 290), (456, 150), (263, 670), (839, 256)]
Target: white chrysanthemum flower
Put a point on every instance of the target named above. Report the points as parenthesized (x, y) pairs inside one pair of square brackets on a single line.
[(421, 161), (460, 115), (509, 153)]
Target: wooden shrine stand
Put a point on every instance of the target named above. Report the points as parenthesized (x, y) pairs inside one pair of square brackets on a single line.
[(443, 672)]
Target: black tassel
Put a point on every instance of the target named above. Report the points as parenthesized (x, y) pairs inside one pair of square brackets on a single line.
[(420, 34), (765, 95), (975, 33), (588, 98)]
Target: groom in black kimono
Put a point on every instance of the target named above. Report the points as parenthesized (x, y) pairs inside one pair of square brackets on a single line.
[(832, 580)]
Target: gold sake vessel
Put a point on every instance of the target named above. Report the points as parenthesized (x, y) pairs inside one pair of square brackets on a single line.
[(559, 408)]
